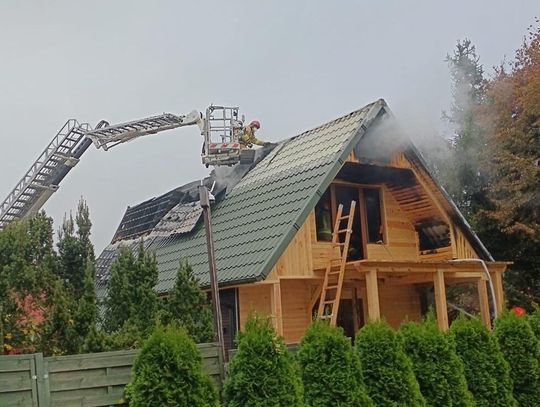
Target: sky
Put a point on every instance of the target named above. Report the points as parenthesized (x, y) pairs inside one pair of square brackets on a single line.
[(290, 64)]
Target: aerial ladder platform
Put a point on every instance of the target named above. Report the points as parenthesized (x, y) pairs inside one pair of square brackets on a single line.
[(220, 127)]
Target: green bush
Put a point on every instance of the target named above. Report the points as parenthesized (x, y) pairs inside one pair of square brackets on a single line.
[(534, 321), (522, 352), (486, 371), (168, 372), (262, 373), (387, 371), (436, 366), (330, 369)]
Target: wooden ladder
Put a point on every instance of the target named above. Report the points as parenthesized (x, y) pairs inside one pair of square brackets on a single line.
[(333, 280)]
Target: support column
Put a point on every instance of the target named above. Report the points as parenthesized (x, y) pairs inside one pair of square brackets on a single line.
[(484, 303), (440, 300), (372, 294), (277, 313), (354, 303), (496, 277)]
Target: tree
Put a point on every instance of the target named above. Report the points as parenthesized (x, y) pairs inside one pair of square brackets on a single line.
[(436, 365), (462, 174), (130, 292), (262, 372), (168, 372), (27, 269), (522, 352), (486, 371), (510, 224), (330, 369), (387, 371), (188, 306)]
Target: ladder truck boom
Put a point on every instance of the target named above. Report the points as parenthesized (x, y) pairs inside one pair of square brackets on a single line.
[(74, 138)]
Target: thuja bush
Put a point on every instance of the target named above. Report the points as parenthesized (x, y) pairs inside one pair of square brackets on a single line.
[(436, 366), (534, 321), (522, 352), (168, 372), (387, 371), (486, 371), (330, 368), (262, 372)]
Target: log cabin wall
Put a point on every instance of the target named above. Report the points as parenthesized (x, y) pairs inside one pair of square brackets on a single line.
[(254, 298)]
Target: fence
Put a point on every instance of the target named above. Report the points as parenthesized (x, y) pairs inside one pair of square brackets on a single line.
[(94, 379)]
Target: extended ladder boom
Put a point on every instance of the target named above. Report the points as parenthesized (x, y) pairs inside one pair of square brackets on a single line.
[(73, 139), (42, 179)]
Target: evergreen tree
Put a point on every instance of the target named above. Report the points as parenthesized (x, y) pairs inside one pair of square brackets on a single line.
[(436, 365), (131, 297), (387, 371), (522, 352), (486, 371), (462, 175), (168, 372), (330, 369), (262, 373), (188, 306), (534, 321)]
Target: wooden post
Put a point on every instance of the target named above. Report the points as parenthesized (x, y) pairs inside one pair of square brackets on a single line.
[(372, 295), (440, 300), (354, 303), (496, 277), (276, 307), (484, 303)]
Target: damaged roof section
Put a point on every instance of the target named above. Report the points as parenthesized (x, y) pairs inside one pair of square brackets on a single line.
[(178, 211)]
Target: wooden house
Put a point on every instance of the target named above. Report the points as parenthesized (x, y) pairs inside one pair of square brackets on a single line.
[(408, 240)]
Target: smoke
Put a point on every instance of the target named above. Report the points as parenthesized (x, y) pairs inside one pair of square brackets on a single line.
[(391, 135)]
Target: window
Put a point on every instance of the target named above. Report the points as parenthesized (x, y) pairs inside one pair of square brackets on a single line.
[(368, 219)]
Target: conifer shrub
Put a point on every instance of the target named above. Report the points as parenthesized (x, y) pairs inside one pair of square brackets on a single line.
[(522, 352), (486, 371), (437, 367), (330, 368), (168, 372), (387, 371), (534, 321), (262, 373)]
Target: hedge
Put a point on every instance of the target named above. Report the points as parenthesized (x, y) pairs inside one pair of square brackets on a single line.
[(330, 368), (486, 370), (387, 371), (522, 352), (262, 373), (436, 365), (168, 372)]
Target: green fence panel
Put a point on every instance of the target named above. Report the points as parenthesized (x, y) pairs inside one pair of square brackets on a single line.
[(93, 379)]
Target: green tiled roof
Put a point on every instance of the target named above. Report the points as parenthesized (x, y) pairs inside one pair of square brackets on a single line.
[(256, 221)]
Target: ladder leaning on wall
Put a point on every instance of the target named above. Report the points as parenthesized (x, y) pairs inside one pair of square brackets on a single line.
[(333, 279)]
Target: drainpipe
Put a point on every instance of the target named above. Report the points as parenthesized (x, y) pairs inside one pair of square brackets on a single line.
[(490, 281)]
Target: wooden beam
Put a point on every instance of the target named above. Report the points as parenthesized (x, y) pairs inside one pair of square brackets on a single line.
[(372, 295), (277, 313), (354, 303), (496, 277), (484, 303), (440, 300)]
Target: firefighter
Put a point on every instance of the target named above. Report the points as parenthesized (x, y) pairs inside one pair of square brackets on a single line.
[(247, 139)]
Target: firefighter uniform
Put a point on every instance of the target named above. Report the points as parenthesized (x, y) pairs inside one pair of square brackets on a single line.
[(247, 139)]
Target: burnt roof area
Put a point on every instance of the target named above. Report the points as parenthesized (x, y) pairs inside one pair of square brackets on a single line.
[(178, 210)]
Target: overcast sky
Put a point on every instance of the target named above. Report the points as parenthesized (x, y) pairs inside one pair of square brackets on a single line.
[(290, 64)]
